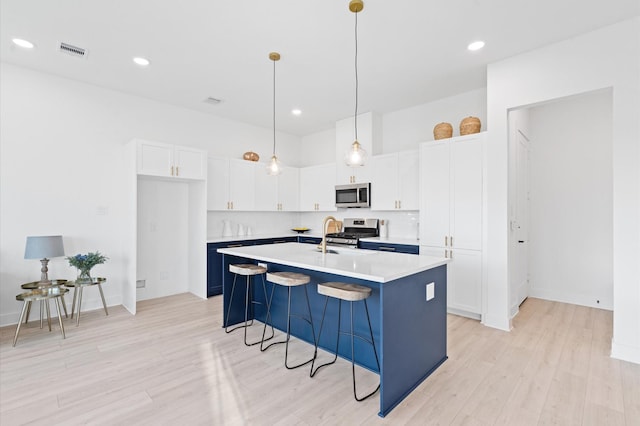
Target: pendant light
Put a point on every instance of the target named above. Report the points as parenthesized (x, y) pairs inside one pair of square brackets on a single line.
[(274, 168), (356, 155)]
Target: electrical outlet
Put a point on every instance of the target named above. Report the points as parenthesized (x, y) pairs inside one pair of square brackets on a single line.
[(431, 291), (141, 283)]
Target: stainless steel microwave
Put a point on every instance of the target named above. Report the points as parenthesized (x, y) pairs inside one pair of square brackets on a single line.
[(353, 195)]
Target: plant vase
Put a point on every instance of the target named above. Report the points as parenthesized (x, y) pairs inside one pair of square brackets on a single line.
[(84, 276)]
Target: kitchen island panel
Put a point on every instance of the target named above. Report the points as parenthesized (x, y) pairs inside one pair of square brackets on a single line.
[(409, 331)]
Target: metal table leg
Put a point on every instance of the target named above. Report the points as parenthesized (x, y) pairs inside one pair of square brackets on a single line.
[(22, 315)]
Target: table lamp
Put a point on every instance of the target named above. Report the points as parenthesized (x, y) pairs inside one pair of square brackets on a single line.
[(43, 248)]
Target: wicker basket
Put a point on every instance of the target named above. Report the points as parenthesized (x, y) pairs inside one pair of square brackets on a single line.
[(250, 156), (470, 125), (442, 131)]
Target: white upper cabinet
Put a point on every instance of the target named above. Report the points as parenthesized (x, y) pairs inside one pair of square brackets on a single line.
[(230, 184), (394, 184), (451, 186), (266, 190), (317, 188), (166, 160), (289, 189), (276, 193)]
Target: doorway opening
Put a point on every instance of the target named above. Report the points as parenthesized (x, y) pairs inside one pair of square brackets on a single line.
[(561, 201)]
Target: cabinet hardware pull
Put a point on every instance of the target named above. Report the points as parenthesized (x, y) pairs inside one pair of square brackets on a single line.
[(232, 205), (234, 245), (450, 254), (399, 204), (387, 248), (279, 242), (446, 241), (451, 241), (445, 254), (177, 171), (171, 170)]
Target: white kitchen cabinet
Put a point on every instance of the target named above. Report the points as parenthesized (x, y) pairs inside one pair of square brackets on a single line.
[(289, 189), (464, 280), (451, 195), (394, 184), (166, 160), (277, 193), (317, 188), (451, 212), (230, 184)]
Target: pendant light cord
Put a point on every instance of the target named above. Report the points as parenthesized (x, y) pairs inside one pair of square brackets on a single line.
[(355, 119), (274, 108)]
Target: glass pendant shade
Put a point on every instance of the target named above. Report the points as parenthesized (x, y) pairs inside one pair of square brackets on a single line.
[(274, 168), (355, 155)]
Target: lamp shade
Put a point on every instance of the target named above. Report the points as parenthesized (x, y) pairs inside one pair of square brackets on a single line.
[(44, 247)]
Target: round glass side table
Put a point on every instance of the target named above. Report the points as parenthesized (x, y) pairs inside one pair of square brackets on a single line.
[(39, 284), (78, 286), (42, 295)]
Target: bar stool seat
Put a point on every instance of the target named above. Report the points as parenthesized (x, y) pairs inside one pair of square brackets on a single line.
[(349, 293), (344, 291), (289, 280), (248, 270)]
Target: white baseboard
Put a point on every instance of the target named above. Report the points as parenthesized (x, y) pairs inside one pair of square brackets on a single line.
[(625, 352), (582, 300)]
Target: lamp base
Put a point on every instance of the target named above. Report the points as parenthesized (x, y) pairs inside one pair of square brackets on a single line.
[(44, 272)]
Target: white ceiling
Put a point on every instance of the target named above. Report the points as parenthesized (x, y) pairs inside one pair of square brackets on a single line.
[(410, 52)]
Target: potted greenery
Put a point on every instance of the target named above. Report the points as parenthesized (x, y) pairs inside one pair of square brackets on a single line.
[(84, 263)]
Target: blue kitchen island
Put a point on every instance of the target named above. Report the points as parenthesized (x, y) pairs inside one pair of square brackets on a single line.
[(407, 306)]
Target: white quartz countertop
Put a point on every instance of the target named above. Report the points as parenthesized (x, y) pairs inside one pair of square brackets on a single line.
[(368, 265), (392, 240), (258, 237)]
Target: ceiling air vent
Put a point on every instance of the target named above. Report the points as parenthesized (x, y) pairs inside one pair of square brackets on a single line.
[(69, 49), (213, 101)]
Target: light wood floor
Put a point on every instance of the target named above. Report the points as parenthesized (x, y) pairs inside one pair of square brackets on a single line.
[(172, 364)]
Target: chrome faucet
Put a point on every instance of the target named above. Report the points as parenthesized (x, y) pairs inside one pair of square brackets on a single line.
[(325, 221)]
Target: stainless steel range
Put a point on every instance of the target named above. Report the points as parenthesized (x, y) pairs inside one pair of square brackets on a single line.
[(353, 230)]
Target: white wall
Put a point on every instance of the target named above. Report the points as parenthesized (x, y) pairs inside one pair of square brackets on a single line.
[(318, 148), (571, 207), (403, 130), (62, 170), (600, 59)]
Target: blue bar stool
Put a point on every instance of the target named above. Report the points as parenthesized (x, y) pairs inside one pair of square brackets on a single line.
[(289, 280), (249, 270), (350, 293)]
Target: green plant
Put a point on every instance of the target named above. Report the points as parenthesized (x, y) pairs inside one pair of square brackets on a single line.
[(85, 262)]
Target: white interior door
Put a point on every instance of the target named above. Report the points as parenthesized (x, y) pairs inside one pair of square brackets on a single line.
[(520, 223)]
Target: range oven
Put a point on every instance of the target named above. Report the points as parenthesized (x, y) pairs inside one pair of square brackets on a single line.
[(353, 230)]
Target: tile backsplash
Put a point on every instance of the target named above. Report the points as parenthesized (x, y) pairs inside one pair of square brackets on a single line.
[(400, 224)]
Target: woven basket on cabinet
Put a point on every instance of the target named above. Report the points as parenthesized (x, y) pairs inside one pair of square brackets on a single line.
[(442, 131), (470, 125)]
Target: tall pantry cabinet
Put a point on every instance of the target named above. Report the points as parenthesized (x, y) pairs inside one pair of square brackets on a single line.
[(451, 215)]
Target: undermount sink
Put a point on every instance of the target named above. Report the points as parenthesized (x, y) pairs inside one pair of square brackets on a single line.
[(345, 250)]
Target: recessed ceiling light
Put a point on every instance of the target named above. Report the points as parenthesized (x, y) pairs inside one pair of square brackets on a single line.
[(476, 45), (296, 111), (143, 62), (23, 43)]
